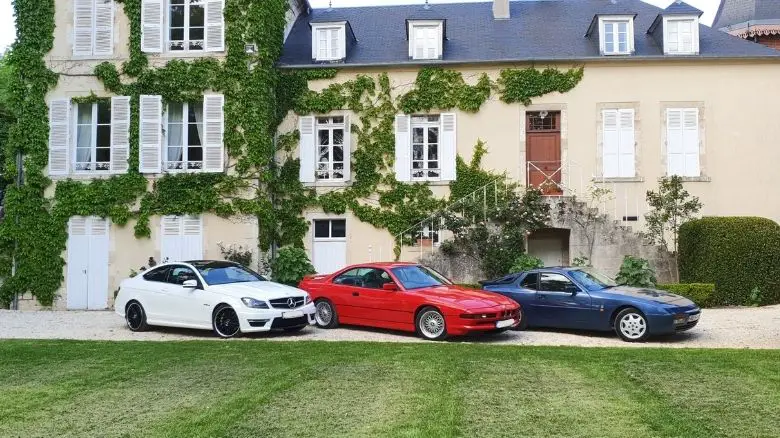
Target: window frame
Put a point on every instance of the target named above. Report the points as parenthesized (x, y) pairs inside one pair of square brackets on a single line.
[(542, 274), (682, 109), (169, 278), (340, 29), (330, 126), (186, 41), (184, 138), (536, 282), (330, 237), (694, 22), (616, 20), (418, 25), (618, 113), (94, 124), (425, 125)]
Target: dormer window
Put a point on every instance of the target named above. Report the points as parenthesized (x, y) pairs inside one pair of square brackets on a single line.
[(329, 41), (426, 39), (617, 35), (681, 36)]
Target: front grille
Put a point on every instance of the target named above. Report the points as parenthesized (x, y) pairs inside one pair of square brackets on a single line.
[(281, 323), (284, 303)]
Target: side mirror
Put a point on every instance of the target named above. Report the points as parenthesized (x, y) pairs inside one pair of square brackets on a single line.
[(190, 284), (390, 287), (572, 289)]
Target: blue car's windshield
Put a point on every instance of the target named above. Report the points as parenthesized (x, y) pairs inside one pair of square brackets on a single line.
[(417, 277), (215, 273), (592, 280)]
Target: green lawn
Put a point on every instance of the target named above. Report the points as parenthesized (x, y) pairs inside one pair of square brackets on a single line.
[(318, 389)]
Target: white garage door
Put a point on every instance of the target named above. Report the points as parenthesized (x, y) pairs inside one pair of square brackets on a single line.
[(87, 283), (182, 239), (330, 245)]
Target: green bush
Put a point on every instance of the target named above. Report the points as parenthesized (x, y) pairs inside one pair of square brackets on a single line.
[(471, 286), (635, 271), (699, 293), (526, 262), (291, 265), (740, 255)]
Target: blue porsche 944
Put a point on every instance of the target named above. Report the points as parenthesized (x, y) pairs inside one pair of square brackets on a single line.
[(582, 298)]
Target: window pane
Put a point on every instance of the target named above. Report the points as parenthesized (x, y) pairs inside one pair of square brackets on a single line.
[(196, 16), (193, 134), (339, 228), (194, 154), (195, 113), (85, 114), (555, 283), (103, 155), (529, 282), (103, 136), (322, 229), (433, 165), (175, 112), (417, 152), (324, 136), (324, 154), (338, 153), (417, 135), (433, 152), (338, 119), (104, 112), (196, 34), (433, 135), (338, 136), (418, 165), (177, 16)]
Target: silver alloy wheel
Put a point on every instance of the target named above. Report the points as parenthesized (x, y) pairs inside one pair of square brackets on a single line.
[(633, 325), (324, 314), (431, 324), (226, 322)]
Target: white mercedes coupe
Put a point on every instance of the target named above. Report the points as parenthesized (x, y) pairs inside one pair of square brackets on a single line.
[(214, 295)]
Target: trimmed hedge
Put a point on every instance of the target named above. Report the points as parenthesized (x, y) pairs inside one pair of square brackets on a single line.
[(699, 293), (737, 254)]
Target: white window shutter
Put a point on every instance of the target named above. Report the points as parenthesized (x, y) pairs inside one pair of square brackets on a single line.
[(213, 133), (403, 148), (59, 136), (83, 27), (347, 148), (610, 144), (152, 26), (150, 155), (691, 141), (77, 226), (675, 152), (449, 147), (192, 238), (120, 133), (104, 27), (627, 155), (307, 149), (98, 226), (215, 26), (171, 239)]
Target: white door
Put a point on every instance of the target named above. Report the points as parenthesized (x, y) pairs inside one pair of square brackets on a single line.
[(87, 285), (182, 238), (330, 245)]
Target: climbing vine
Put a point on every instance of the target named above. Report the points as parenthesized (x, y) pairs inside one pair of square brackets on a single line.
[(258, 96)]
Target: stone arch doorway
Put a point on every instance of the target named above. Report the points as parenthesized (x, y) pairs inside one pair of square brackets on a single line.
[(551, 245)]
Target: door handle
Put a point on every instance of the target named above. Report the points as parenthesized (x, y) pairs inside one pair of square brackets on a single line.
[(355, 294)]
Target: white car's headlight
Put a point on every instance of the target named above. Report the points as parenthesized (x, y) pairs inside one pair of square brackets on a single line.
[(308, 299), (255, 304)]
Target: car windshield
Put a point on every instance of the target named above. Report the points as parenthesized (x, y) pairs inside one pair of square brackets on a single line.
[(416, 277), (592, 280), (215, 273)]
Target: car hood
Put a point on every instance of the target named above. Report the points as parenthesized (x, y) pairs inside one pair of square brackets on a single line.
[(652, 295), (261, 290), (465, 298)]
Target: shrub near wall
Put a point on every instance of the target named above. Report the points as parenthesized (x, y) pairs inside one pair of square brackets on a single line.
[(699, 293), (737, 254)]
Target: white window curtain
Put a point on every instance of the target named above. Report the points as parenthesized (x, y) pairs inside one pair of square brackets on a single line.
[(175, 152), (84, 134)]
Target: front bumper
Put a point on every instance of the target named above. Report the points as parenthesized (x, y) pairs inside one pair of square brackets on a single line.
[(263, 320), (459, 326), (679, 321)]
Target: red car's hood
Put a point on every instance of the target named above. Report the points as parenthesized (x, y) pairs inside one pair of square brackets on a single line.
[(464, 298)]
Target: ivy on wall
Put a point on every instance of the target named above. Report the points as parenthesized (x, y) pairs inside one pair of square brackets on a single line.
[(258, 96)]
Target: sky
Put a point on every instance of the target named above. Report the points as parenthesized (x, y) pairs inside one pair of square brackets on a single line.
[(7, 33)]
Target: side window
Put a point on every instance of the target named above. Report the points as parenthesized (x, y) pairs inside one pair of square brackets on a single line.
[(375, 279), (353, 277), (556, 283), (530, 281), (180, 274), (160, 274)]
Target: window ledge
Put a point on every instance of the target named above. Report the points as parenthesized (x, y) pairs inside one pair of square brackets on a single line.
[(199, 54), (634, 179), (342, 183), (702, 178)]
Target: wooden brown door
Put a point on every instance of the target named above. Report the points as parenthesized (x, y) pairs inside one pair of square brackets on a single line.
[(543, 151)]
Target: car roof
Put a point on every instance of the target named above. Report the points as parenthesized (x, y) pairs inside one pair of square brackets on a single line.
[(381, 265)]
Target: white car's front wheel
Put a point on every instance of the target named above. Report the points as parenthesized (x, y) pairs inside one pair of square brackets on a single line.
[(135, 316), (225, 322)]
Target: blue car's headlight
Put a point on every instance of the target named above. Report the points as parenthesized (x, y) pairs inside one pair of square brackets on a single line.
[(253, 303)]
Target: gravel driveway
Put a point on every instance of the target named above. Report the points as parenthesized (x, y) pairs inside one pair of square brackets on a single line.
[(719, 328)]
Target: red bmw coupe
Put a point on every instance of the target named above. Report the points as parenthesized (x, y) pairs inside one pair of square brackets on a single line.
[(408, 297)]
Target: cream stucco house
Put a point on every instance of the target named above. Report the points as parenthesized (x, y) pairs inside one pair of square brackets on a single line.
[(661, 94)]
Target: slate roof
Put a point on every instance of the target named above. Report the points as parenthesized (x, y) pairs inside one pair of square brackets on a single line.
[(739, 12), (540, 30)]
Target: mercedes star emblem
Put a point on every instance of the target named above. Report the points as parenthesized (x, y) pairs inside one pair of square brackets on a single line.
[(291, 303)]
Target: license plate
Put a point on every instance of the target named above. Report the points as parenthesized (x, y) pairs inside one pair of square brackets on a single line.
[(292, 315), (694, 317), (505, 323)]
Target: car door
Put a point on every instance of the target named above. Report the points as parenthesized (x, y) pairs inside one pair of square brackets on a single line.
[(561, 303), (185, 305), (151, 295), (344, 292), (378, 305), (524, 292)]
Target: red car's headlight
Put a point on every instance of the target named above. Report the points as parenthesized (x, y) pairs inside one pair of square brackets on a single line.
[(478, 315)]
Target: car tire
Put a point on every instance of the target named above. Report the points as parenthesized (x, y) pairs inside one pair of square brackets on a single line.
[(294, 329), (523, 321), (631, 325), (325, 314), (225, 322), (135, 316), (430, 324)]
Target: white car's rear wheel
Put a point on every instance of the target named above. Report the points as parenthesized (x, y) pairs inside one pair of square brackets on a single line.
[(225, 322), (135, 316)]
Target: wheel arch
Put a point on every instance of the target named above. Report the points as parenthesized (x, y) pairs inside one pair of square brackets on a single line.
[(621, 308)]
